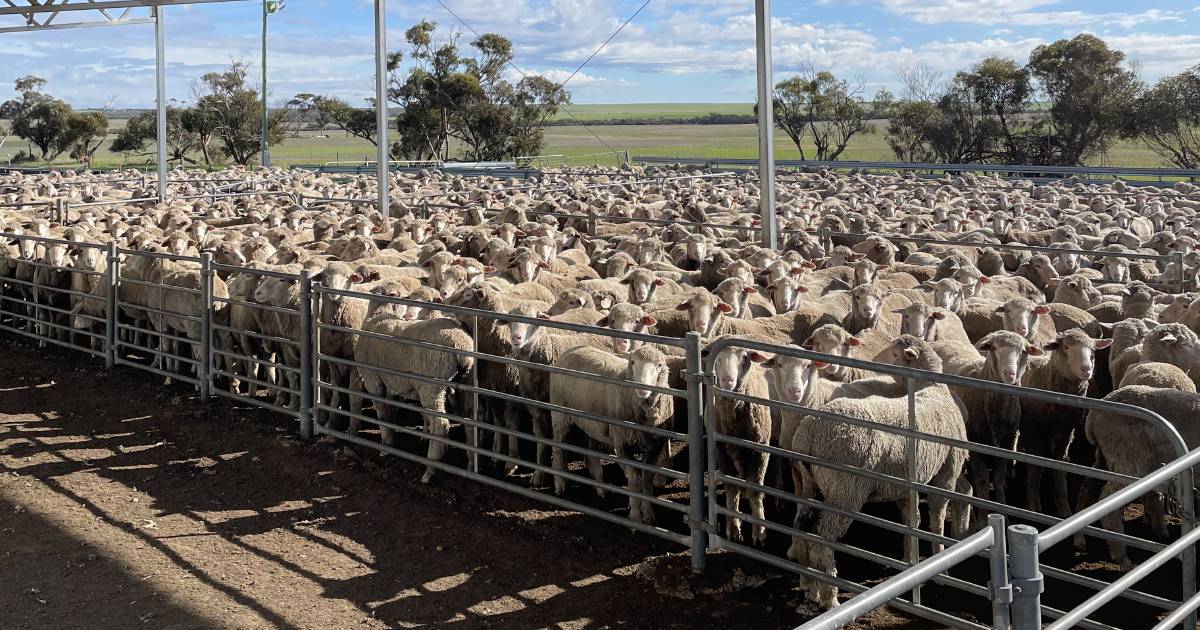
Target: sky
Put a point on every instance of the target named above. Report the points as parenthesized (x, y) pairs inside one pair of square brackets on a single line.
[(674, 51)]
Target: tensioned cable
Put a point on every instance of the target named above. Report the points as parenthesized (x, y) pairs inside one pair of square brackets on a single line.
[(592, 56)]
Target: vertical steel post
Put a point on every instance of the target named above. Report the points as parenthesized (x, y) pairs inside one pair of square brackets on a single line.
[(1179, 260), (912, 544), (475, 415), (264, 146), (381, 106), (66, 212), (204, 368), (826, 237), (695, 446), (160, 82), (306, 355), (710, 448), (111, 275), (1187, 506), (1000, 588), (766, 125), (1025, 577)]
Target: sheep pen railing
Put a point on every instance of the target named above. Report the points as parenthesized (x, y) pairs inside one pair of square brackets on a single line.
[(134, 316)]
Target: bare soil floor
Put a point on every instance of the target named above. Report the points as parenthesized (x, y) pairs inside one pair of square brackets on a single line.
[(126, 504)]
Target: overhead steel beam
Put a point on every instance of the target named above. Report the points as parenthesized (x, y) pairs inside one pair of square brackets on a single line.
[(35, 8), (381, 107), (766, 125), (66, 25)]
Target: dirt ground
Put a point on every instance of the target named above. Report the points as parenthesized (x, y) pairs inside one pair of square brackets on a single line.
[(126, 504)]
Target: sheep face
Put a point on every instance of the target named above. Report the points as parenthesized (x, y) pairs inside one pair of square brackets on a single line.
[(1115, 269), (792, 376), (704, 311), (947, 293), (274, 291), (785, 294), (865, 303), (525, 266), (521, 333), (571, 299), (865, 272), (741, 270), (735, 293), (1039, 270), (1172, 343), (647, 366), (909, 351), (340, 277), (920, 320), (642, 284), (1021, 316), (1077, 352), (1007, 355), (832, 339), (627, 318), (732, 364), (1075, 290)]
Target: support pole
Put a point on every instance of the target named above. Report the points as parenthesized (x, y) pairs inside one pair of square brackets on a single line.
[(381, 107), (766, 125), (204, 367), (1000, 588), (111, 278), (306, 355), (264, 147), (160, 80)]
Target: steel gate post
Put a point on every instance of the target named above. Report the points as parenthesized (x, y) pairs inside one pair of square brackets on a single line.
[(709, 396), (66, 213), (1025, 577), (912, 544), (1187, 507), (696, 450), (1179, 257), (305, 407), (204, 368), (826, 238), (1000, 589), (111, 276)]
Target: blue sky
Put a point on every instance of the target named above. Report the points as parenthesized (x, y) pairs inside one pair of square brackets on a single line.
[(675, 51)]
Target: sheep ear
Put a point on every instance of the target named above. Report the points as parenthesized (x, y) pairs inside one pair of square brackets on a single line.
[(658, 282), (1108, 328), (543, 264), (724, 308), (603, 323), (820, 365), (802, 289), (488, 268), (999, 310), (985, 280), (771, 363), (939, 315), (986, 346), (757, 357), (853, 342), (543, 316), (1052, 346), (750, 290), (1041, 309), (649, 320), (1034, 351), (684, 306), (911, 353), (1100, 344)]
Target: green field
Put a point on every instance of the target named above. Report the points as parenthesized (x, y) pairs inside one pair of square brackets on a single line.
[(579, 146)]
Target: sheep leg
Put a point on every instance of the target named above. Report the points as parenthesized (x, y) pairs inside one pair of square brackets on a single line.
[(540, 422), (1034, 488), (1155, 510), (758, 474), (832, 527), (1060, 494), (804, 488), (1114, 523), (980, 474), (356, 385), (596, 467), (512, 421), (560, 424), (733, 494), (437, 426), (655, 448), (960, 512), (633, 483)]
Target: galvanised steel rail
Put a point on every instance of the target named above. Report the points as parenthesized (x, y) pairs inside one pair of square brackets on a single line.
[(1114, 171), (210, 360)]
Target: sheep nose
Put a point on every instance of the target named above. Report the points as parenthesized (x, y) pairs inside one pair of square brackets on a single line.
[(726, 383), (796, 393)]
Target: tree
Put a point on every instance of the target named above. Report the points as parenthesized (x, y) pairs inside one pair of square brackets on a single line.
[(331, 111), (953, 129), (142, 130), (448, 95), (1167, 118), (824, 107), (203, 124), (1002, 88), (1090, 95), (44, 126), (85, 132), (236, 111)]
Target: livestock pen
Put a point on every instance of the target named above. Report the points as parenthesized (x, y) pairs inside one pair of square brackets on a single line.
[(193, 340)]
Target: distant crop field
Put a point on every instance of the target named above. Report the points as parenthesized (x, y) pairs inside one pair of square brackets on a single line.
[(600, 112), (576, 145)]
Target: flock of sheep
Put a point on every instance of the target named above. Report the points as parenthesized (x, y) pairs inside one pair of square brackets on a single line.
[(1081, 317)]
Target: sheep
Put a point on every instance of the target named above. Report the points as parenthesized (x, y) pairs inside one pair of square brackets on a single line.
[(1047, 428), (643, 366), (747, 303), (736, 369), (992, 419), (1131, 446), (1175, 344), (1126, 349), (447, 367), (1161, 375), (923, 321), (939, 413)]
